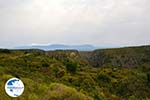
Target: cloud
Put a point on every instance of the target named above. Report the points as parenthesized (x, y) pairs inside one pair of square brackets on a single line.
[(99, 22)]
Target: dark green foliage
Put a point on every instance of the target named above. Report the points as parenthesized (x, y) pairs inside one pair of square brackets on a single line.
[(5, 51), (71, 67), (148, 79), (104, 78), (97, 97), (45, 64)]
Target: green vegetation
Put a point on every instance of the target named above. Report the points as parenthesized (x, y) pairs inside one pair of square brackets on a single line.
[(61, 92), (71, 67), (111, 74)]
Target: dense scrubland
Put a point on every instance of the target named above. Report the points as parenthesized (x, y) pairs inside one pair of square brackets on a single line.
[(107, 74)]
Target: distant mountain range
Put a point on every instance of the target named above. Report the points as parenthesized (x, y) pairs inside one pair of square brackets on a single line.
[(60, 47)]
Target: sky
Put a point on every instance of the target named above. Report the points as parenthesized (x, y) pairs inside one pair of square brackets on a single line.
[(74, 22)]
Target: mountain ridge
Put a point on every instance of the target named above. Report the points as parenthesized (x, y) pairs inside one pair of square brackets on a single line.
[(123, 57), (82, 47)]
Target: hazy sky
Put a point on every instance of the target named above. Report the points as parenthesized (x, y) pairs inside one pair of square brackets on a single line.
[(97, 22)]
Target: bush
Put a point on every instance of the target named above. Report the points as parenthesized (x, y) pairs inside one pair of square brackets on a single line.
[(71, 67), (61, 92), (104, 77)]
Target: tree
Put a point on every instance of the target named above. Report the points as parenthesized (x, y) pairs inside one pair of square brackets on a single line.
[(71, 67)]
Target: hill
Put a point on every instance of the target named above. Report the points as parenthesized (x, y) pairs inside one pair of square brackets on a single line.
[(60, 46), (107, 74), (121, 57)]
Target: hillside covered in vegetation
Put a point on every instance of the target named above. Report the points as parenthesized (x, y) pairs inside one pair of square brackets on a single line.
[(106, 74)]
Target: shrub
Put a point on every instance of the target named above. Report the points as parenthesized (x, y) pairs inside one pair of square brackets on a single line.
[(104, 77), (71, 67), (61, 92)]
